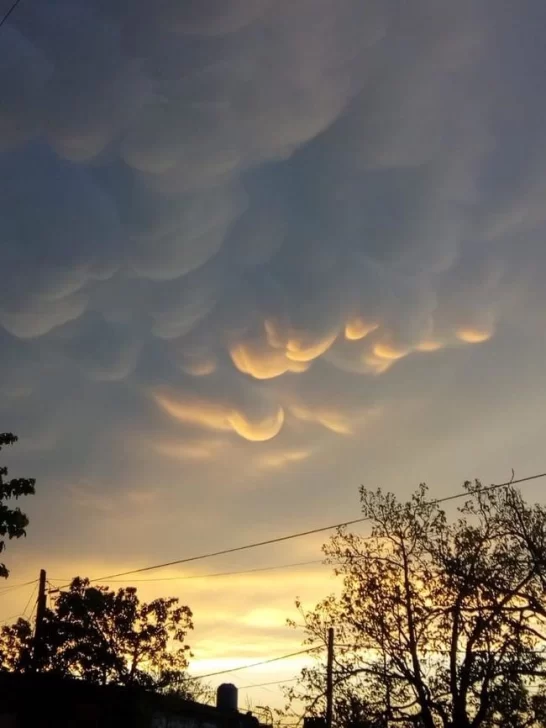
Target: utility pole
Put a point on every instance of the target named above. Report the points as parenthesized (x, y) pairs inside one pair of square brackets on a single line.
[(330, 679), (40, 614)]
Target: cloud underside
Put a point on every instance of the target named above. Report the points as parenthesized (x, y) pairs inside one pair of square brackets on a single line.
[(236, 219)]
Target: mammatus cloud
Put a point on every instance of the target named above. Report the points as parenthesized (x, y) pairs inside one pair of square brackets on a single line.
[(253, 253), (214, 416), (222, 216), (473, 336)]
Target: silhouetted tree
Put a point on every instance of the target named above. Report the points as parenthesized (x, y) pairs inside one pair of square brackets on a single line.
[(16, 647), (12, 521), (437, 623), (103, 636)]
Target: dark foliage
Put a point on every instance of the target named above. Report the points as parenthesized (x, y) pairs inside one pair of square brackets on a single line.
[(13, 521), (107, 637), (438, 623)]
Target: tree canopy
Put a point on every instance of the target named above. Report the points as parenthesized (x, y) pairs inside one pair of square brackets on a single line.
[(437, 623), (13, 522), (105, 636)]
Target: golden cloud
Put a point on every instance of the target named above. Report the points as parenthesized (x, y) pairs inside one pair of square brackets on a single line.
[(220, 417), (429, 345), (357, 328), (473, 336), (251, 358), (328, 418), (280, 352), (282, 458), (298, 346), (297, 349), (257, 431), (384, 350)]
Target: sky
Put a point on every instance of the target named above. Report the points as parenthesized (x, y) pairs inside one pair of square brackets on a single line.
[(254, 254)]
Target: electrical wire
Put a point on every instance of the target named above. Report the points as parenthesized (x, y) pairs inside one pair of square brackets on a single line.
[(9, 12), (29, 601), (299, 534), (232, 550), (267, 684), (14, 587), (295, 679), (24, 612), (263, 662), (33, 612), (228, 573), (216, 574)]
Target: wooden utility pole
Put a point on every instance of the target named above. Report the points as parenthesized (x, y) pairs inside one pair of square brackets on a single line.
[(330, 679), (39, 627)]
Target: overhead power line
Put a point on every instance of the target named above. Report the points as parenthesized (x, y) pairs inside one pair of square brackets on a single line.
[(263, 662), (299, 534), (24, 612), (33, 592), (223, 552), (14, 587), (267, 684), (210, 576), (17, 585), (33, 612), (9, 12)]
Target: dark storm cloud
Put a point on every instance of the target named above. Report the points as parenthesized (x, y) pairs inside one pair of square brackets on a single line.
[(225, 220)]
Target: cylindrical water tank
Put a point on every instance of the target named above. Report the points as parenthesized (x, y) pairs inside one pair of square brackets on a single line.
[(226, 697)]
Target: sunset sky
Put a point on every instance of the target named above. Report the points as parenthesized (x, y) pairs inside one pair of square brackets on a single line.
[(255, 253)]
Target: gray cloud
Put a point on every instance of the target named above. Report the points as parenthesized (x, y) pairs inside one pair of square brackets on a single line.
[(241, 222), (59, 232)]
